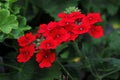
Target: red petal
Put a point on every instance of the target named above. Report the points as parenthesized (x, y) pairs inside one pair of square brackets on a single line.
[(45, 63), (52, 57)]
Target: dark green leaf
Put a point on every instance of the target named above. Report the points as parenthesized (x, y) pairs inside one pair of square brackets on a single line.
[(65, 54), (114, 41), (112, 9), (113, 61), (1, 37), (61, 47), (55, 6), (52, 73)]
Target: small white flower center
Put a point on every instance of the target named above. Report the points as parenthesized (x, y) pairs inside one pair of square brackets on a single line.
[(81, 28)]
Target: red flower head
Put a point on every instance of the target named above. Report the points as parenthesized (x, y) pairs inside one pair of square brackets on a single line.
[(52, 25), (96, 31), (63, 15), (59, 35), (44, 29), (77, 16), (48, 43), (74, 17), (92, 18), (72, 37), (45, 58), (82, 28), (26, 53), (26, 39), (65, 19), (69, 28)]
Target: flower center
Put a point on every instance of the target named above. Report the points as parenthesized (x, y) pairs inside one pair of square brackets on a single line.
[(45, 56), (57, 35), (90, 18), (48, 44), (92, 29), (69, 32), (78, 21), (81, 28), (26, 53), (67, 23)]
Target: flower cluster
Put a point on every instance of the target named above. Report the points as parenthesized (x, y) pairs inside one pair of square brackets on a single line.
[(51, 35), (27, 47)]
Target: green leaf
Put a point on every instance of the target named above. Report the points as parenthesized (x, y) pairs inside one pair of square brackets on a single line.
[(52, 73), (55, 6), (11, 1), (113, 61), (61, 47), (114, 41), (1, 37), (7, 21), (112, 9), (22, 27), (3, 77), (3, 15), (65, 54), (116, 2), (114, 76), (26, 72)]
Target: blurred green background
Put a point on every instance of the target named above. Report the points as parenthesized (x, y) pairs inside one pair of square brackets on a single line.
[(102, 56)]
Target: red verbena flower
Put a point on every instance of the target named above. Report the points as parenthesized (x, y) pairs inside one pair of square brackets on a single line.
[(45, 58), (45, 29), (48, 43), (74, 17), (26, 39), (82, 28), (59, 35), (69, 28), (63, 15), (52, 25), (26, 53), (77, 17), (92, 18), (72, 37), (65, 19), (96, 31)]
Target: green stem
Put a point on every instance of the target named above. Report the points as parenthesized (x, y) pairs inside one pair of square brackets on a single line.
[(11, 46), (90, 66), (26, 6), (64, 69), (75, 45), (110, 73), (8, 65), (84, 60)]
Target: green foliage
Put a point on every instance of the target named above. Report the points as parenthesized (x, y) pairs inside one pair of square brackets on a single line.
[(114, 41), (22, 27), (71, 9), (49, 74), (112, 9), (85, 59), (54, 7), (30, 8), (10, 24), (7, 22), (61, 47), (29, 70)]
